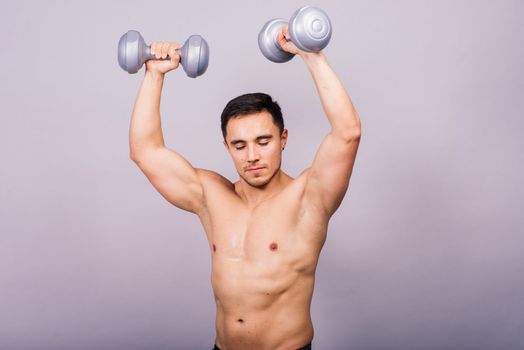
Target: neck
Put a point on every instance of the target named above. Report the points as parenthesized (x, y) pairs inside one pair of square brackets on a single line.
[(253, 196)]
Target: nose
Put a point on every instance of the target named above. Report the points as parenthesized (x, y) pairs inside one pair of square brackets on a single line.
[(252, 154)]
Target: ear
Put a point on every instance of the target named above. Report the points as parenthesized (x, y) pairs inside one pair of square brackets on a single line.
[(226, 145), (283, 138)]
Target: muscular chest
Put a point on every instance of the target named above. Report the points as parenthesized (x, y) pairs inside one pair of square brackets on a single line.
[(270, 234), (268, 231), (259, 251)]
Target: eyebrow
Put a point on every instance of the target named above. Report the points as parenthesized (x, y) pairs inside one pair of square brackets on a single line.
[(266, 136)]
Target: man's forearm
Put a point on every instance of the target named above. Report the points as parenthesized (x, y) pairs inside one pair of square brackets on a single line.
[(337, 105), (145, 130)]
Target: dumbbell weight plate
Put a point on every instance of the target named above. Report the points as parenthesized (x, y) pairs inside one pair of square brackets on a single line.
[(195, 56), (268, 44), (132, 51), (310, 29)]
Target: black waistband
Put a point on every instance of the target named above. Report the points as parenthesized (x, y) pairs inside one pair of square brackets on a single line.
[(305, 347)]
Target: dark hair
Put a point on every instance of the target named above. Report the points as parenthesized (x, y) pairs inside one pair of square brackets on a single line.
[(251, 103)]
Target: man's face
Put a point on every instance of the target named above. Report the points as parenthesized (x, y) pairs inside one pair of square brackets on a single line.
[(254, 141)]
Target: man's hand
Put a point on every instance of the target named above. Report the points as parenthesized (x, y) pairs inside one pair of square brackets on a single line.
[(162, 50), (284, 40)]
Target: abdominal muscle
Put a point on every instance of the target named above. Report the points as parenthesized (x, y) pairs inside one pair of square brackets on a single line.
[(263, 300)]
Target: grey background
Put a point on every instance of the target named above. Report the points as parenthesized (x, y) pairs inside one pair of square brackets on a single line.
[(424, 253)]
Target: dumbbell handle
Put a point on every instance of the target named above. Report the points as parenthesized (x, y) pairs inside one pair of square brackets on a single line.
[(189, 59), (150, 56)]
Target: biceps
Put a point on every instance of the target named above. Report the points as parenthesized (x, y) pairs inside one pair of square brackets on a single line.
[(328, 177), (173, 177)]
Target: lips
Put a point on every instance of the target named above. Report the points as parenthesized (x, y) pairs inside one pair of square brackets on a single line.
[(255, 169)]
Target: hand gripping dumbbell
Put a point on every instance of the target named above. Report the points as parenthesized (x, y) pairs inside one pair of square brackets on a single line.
[(309, 28), (133, 52)]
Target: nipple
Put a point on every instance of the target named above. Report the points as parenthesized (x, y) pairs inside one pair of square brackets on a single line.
[(273, 246)]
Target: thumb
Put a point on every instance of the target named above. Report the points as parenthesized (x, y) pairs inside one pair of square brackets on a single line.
[(285, 32)]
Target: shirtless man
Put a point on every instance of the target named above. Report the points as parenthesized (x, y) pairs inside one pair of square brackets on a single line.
[(266, 230)]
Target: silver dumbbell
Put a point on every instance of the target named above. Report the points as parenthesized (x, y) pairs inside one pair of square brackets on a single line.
[(309, 29), (133, 52)]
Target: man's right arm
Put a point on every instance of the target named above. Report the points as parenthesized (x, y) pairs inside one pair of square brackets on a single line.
[(170, 173)]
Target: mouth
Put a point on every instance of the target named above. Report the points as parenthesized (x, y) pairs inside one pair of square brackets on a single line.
[(255, 170)]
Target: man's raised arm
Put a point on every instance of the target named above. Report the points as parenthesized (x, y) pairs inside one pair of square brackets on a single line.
[(170, 173), (328, 177)]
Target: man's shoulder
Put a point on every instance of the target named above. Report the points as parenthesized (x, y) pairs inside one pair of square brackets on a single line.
[(210, 177), (295, 185), (302, 177)]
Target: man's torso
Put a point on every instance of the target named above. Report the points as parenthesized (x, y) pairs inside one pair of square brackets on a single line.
[(263, 264)]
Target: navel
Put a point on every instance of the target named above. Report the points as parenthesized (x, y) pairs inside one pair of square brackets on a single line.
[(214, 248), (273, 246), (240, 320)]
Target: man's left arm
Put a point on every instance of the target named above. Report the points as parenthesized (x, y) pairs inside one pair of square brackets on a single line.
[(328, 178)]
